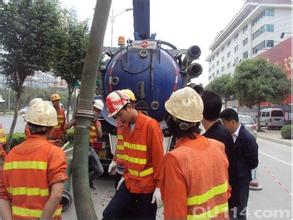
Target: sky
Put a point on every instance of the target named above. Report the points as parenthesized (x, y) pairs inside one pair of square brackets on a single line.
[(183, 23)]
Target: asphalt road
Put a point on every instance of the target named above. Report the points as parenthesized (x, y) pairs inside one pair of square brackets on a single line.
[(6, 120), (274, 173), (273, 202)]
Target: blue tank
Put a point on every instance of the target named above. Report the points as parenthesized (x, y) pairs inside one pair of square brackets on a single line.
[(149, 70)]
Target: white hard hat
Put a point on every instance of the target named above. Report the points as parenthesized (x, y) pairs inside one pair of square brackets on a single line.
[(34, 101), (185, 104), (115, 101), (99, 104), (42, 113)]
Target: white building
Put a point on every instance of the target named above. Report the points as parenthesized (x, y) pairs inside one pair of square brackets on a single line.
[(255, 28)]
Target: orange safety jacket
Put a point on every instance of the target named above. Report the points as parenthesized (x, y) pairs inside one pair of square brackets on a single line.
[(143, 154), (93, 132), (58, 130), (2, 158), (194, 180), (29, 171)]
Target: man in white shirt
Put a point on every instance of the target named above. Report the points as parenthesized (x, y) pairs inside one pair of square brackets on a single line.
[(246, 159)]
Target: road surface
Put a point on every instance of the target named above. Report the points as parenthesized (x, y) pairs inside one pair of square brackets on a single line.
[(274, 173), (273, 202)]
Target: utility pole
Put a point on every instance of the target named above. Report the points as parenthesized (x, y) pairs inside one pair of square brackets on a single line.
[(83, 203)]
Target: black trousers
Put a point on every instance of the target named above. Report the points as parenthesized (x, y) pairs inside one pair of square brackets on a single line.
[(119, 206), (239, 212)]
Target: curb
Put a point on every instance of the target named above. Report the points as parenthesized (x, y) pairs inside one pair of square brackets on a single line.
[(276, 140)]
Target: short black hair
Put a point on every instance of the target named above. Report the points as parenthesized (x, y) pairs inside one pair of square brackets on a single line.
[(212, 103), (38, 129), (197, 87), (229, 114)]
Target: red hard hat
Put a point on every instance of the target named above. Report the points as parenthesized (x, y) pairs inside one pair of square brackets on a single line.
[(115, 101)]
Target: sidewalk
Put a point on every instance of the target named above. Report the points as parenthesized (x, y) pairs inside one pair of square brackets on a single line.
[(275, 136)]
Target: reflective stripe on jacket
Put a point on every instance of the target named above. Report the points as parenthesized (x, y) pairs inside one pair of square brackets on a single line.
[(194, 181), (143, 154), (28, 173), (93, 132), (58, 131)]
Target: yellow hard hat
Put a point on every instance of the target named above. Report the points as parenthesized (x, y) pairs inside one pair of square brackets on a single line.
[(185, 104), (34, 101), (130, 94), (55, 97), (42, 113)]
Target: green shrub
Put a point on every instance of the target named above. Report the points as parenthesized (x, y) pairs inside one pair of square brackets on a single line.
[(69, 135), (17, 138), (286, 131)]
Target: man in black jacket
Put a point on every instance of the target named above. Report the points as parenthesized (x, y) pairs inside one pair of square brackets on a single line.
[(216, 130), (246, 159)]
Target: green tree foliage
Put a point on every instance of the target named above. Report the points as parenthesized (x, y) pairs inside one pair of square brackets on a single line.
[(70, 60), (30, 35), (257, 81), (223, 86)]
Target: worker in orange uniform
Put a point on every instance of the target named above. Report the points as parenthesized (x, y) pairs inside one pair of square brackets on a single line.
[(57, 133), (116, 167), (143, 156), (32, 102), (35, 170), (194, 177), (5, 210)]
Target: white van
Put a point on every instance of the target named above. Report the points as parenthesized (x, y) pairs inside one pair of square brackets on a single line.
[(271, 118)]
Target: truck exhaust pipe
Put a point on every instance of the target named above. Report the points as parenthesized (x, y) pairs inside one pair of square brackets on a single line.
[(192, 54), (194, 70)]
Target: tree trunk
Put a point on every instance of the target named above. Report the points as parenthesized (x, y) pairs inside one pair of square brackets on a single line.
[(82, 198), (70, 91), (258, 117), (9, 142)]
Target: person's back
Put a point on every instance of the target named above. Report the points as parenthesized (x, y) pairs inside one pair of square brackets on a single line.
[(34, 171), (197, 158), (30, 170), (194, 177)]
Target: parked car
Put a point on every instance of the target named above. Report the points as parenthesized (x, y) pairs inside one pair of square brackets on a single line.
[(272, 118), (249, 124)]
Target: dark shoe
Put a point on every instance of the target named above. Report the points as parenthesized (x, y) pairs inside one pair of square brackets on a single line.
[(92, 185)]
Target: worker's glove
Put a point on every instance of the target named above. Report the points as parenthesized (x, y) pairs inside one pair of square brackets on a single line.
[(120, 183), (112, 168), (157, 198)]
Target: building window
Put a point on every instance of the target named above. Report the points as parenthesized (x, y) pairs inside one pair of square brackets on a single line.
[(269, 28), (235, 48), (222, 49), (223, 68), (210, 77), (218, 63), (228, 54), (258, 47), (213, 66), (269, 12), (245, 55), (259, 32), (244, 29), (222, 59), (235, 36), (228, 44), (228, 65), (236, 61), (269, 43), (245, 41), (217, 72)]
